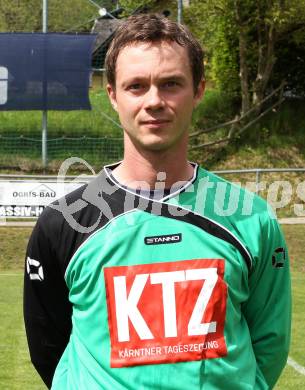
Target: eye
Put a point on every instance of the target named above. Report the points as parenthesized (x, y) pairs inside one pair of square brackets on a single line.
[(170, 84), (134, 87)]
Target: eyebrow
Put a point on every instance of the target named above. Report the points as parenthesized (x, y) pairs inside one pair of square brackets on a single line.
[(136, 79), (175, 77)]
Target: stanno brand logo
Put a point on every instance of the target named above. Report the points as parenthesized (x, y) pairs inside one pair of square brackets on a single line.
[(3, 84), (166, 312), (165, 239)]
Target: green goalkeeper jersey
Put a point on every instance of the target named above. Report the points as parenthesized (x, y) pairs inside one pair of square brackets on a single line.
[(188, 292)]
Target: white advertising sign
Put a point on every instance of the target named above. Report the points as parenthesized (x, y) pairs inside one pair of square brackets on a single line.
[(23, 199)]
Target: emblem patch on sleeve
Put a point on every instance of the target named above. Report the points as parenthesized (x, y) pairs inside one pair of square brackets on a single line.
[(166, 312), (278, 258), (34, 269)]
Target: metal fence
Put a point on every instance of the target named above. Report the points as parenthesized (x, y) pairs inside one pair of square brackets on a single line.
[(97, 151), (283, 188), (259, 172)]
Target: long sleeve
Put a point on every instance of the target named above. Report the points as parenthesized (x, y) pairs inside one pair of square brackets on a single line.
[(47, 310), (268, 309)]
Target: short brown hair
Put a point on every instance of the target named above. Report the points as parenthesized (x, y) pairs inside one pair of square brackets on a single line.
[(154, 28)]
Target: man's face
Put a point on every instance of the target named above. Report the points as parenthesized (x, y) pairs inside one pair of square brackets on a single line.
[(154, 94)]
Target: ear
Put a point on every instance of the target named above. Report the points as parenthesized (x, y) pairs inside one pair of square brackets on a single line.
[(112, 96), (199, 94)]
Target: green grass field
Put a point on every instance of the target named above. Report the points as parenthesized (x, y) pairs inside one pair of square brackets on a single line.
[(16, 371)]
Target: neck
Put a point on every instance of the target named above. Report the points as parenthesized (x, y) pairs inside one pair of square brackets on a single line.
[(146, 165)]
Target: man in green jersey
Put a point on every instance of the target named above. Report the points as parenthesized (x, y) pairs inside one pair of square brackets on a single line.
[(157, 274)]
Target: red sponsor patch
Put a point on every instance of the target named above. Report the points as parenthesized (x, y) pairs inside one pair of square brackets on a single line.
[(166, 312)]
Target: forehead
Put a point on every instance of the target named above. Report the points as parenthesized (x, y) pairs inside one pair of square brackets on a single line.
[(160, 58)]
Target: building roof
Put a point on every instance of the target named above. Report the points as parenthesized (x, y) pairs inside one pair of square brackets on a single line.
[(104, 28)]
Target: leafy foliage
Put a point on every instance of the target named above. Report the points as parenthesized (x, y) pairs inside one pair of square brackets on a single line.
[(152, 5), (250, 43), (26, 15), (290, 64), (217, 33), (23, 15)]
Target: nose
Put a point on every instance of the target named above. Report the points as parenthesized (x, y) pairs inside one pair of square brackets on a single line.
[(153, 99)]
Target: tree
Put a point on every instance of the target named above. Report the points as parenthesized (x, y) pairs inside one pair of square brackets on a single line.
[(242, 40), (26, 15), (23, 15), (153, 5)]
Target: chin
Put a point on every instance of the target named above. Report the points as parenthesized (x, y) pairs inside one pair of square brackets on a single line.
[(154, 142), (155, 145), (158, 147)]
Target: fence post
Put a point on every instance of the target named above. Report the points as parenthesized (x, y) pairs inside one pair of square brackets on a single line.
[(180, 10), (257, 181), (44, 150)]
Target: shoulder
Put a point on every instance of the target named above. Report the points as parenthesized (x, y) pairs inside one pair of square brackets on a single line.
[(232, 196), (68, 221), (77, 205), (248, 216), (53, 216)]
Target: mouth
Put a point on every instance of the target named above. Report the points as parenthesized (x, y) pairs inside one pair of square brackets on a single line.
[(156, 123)]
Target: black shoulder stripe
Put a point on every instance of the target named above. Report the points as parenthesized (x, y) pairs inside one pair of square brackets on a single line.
[(171, 211), (209, 226)]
